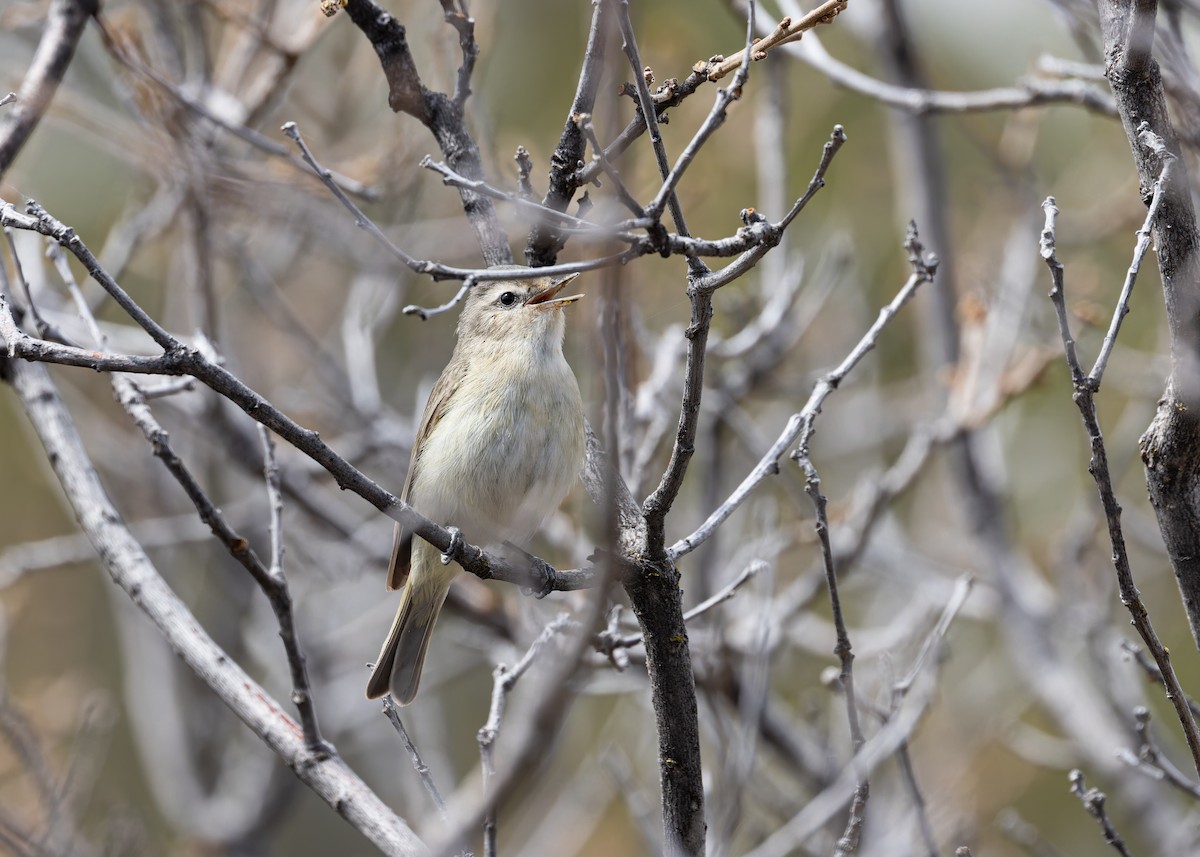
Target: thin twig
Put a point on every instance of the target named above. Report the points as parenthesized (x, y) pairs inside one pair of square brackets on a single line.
[(274, 502), (650, 115), (546, 239), (607, 642), (270, 580), (1154, 673), (623, 193), (464, 25), (504, 679), (423, 772), (1084, 396), (788, 30), (894, 734), (1152, 760), (541, 214), (426, 313), (1093, 801), (292, 132), (923, 270), (659, 503), (1139, 253), (801, 422)]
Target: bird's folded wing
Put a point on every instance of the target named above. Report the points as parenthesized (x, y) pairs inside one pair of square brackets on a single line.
[(439, 400)]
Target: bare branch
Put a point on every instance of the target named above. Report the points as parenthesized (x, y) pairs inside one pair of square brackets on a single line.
[(132, 570), (1084, 396), (1093, 801), (545, 239), (65, 21), (440, 113), (504, 678), (801, 423), (423, 772)]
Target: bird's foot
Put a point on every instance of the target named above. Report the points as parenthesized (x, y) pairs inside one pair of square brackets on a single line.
[(455, 548)]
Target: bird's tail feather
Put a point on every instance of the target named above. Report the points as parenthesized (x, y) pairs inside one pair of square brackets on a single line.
[(398, 668)]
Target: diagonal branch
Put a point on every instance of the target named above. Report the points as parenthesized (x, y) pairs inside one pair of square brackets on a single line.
[(133, 571), (64, 26), (180, 359), (440, 113), (1085, 399)]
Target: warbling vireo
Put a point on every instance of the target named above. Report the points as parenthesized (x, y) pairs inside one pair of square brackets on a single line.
[(499, 445)]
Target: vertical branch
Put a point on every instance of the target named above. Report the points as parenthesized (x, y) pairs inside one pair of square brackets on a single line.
[(544, 239), (1085, 387), (924, 266), (654, 590), (659, 503), (1171, 445), (658, 604), (504, 679)]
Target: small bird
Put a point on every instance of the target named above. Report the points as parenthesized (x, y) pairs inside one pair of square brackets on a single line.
[(498, 447)]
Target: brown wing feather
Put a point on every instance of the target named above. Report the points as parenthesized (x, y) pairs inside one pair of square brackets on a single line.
[(439, 399)]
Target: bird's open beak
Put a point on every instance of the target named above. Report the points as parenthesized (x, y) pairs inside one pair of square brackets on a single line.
[(548, 298)]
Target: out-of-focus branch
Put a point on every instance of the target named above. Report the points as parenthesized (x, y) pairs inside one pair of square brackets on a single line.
[(64, 26), (801, 423), (504, 679), (924, 268), (440, 113), (1029, 92), (894, 734), (133, 571), (423, 773), (121, 54)]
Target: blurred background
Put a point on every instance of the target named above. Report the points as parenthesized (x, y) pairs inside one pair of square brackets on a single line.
[(219, 238)]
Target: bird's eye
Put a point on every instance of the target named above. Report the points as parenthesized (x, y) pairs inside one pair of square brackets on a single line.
[(507, 299)]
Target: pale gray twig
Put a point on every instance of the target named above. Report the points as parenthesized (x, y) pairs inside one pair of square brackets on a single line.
[(132, 570), (504, 678), (719, 597), (801, 422)]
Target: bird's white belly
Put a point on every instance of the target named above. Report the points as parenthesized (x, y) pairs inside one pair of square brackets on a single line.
[(519, 451)]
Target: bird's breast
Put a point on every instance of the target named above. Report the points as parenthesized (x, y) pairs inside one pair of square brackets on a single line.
[(505, 452)]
